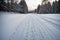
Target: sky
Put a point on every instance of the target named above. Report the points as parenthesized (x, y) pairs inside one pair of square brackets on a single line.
[(32, 4)]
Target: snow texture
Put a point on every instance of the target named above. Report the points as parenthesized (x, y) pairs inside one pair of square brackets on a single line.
[(29, 26)]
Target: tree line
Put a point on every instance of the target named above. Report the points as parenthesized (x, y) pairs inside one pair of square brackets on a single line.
[(48, 8), (20, 7)]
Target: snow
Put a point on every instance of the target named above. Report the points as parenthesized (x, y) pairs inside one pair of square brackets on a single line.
[(30, 26)]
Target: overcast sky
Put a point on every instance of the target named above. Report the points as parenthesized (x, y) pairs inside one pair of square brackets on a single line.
[(32, 4)]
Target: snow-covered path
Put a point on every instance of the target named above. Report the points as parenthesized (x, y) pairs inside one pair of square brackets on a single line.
[(30, 27)]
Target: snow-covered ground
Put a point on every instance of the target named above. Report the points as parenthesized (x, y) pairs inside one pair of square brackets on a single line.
[(29, 26)]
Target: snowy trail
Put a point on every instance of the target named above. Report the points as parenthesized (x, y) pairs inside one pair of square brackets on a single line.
[(31, 27)]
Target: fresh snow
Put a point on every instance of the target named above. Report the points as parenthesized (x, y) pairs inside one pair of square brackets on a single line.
[(29, 26)]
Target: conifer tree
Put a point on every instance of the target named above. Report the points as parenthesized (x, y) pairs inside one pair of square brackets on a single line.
[(1, 5), (58, 7), (24, 6)]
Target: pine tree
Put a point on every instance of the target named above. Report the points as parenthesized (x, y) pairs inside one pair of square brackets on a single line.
[(12, 1), (24, 6), (58, 7), (1, 0), (1, 5), (38, 9)]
